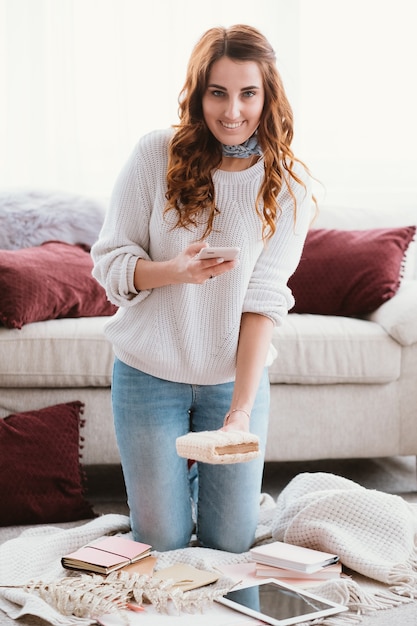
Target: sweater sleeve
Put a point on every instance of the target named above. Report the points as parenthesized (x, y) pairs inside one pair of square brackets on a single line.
[(124, 237), (268, 293)]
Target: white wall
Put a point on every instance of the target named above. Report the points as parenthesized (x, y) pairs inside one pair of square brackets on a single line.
[(81, 80), (358, 100)]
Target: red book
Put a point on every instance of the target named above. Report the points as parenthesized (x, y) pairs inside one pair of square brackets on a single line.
[(106, 555)]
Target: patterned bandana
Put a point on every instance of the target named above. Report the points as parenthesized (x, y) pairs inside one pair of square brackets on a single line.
[(244, 150)]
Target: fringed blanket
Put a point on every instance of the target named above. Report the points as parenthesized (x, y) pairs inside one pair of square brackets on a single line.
[(373, 532)]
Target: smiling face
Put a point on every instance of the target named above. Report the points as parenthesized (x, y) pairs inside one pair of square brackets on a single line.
[(233, 100)]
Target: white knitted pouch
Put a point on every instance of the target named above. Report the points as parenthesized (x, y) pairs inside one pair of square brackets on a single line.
[(219, 446)]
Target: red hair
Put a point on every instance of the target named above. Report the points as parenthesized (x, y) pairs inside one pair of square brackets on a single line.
[(194, 151)]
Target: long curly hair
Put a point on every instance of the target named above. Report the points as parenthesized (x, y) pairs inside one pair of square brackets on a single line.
[(194, 152)]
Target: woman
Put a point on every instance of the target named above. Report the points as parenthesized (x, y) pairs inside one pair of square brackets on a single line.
[(192, 337)]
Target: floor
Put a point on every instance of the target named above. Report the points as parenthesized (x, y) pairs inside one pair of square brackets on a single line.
[(395, 475)]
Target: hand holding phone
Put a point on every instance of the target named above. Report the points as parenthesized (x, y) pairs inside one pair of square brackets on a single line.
[(215, 252)]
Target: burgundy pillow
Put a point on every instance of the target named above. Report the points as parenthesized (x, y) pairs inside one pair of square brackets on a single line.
[(47, 282), (349, 272), (41, 480)]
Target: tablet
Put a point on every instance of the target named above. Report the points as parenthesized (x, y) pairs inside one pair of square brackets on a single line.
[(277, 603)]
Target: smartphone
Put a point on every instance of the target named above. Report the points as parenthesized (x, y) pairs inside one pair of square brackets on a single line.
[(226, 253)]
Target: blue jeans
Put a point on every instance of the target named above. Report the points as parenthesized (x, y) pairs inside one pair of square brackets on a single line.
[(149, 414)]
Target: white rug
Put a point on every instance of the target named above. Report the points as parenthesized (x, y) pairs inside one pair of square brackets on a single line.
[(341, 519)]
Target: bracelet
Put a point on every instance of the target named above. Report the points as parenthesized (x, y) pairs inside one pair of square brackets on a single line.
[(226, 419)]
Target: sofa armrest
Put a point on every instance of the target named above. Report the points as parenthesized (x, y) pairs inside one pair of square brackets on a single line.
[(398, 316)]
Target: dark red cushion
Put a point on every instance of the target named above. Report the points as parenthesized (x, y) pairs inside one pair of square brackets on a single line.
[(349, 272), (41, 478), (47, 282)]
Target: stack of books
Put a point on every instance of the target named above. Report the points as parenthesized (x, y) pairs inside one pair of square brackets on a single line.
[(295, 563)]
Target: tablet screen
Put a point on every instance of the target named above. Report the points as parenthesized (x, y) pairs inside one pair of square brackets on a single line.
[(280, 602)]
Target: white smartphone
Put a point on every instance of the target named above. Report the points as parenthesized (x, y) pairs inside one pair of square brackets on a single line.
[(214, 252), (279, 604)]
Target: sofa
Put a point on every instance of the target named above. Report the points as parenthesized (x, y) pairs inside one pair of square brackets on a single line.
[(343, 385)]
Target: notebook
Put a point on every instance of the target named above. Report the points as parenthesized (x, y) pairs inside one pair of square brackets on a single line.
[(298, 558), (106, 555), (328, 572)]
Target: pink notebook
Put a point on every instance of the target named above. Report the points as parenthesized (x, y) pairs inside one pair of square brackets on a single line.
[(106, 555)]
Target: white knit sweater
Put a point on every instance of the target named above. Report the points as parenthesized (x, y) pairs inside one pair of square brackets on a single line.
[(189, 333)]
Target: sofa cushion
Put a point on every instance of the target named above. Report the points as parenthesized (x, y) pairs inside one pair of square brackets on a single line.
[(57, 353), (325, 349), (47, 282), (40, 474), (312, 349), (349, 272)]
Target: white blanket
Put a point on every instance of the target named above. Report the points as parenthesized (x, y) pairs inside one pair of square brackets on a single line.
[(36, 555), (372, 531)]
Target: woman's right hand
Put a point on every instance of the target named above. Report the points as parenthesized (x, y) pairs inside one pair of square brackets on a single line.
[(184, 268), (189, 269)]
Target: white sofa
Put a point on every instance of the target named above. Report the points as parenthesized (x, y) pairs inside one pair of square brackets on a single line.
[(341, 387)]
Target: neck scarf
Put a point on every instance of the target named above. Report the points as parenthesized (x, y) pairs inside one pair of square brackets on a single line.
[(244, 150)]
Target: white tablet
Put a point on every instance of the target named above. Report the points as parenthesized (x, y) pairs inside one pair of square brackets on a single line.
[(277, 603)]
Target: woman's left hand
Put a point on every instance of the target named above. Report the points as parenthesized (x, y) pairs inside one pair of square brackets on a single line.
[(236, 420)]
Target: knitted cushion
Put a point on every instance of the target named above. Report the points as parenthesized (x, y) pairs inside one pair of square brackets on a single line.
[(349, 272), (40, 474), (47, 282)]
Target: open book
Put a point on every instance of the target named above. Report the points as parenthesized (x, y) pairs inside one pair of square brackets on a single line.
[(106, 555)]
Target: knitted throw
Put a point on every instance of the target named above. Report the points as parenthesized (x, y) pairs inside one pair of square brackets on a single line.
[(374, 533)]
